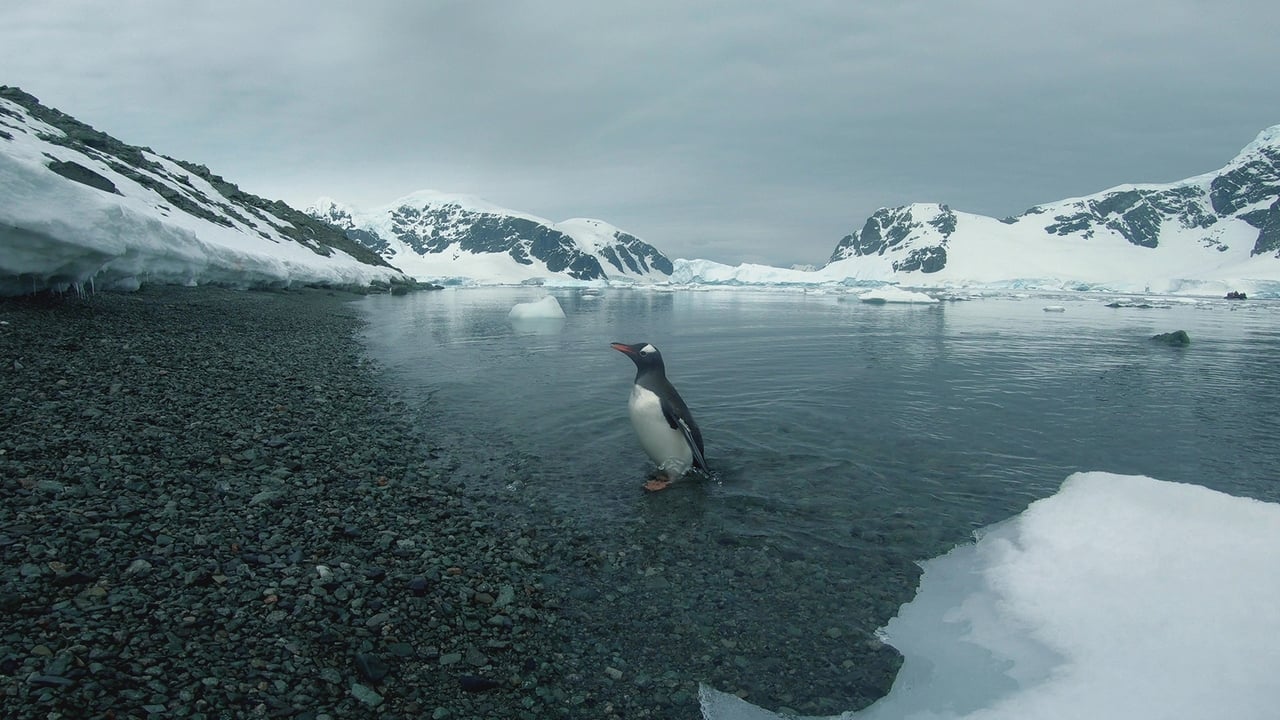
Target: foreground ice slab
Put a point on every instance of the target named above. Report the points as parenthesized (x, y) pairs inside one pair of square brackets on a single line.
[(1119, 597)]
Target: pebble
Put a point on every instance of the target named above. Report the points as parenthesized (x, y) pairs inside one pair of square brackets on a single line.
[(366, 695), (371, 667), (475, 657), (49, 680), (476, 683)]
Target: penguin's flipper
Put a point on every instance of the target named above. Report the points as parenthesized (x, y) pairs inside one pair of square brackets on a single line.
[(698, 461)]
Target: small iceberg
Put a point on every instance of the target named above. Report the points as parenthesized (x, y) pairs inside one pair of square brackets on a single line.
[(548, 308), (1054, 308), (541, 317), (890, 294)]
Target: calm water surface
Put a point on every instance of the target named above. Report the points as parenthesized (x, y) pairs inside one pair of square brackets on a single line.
[(815, 407), (841, 433)]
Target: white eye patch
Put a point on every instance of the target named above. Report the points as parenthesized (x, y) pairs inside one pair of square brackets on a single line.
[(648, 350)]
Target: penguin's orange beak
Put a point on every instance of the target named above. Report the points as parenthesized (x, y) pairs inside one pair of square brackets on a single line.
[(622, 348)]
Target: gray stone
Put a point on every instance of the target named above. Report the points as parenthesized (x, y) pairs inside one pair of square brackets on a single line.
[(371, 667), (365, 695), (475, 657), (263, 497), (50, 486)]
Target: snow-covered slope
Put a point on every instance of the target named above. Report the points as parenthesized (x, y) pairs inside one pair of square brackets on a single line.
[(1213, 232), (79, 208), (458, 238)]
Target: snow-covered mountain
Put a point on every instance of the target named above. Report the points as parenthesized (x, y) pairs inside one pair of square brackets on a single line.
[(80, 208), (449, 238), (1216, 231)]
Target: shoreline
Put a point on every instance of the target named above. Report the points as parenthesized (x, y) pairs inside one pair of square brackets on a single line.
[(213, 504), (209, 507)]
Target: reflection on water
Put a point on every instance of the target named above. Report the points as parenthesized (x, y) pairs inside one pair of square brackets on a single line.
[(819, 405), (847, 439)]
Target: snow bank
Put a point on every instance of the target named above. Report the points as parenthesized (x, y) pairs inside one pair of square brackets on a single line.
[(56, 233), (1119, 597)]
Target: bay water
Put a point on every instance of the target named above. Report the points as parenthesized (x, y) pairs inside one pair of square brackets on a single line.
[(847, 441)]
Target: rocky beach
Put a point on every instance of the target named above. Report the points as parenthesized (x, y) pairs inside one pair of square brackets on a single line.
[(211, 510), (213, 506)]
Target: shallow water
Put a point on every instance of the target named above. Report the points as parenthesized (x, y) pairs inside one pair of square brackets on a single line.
[(847, 439)]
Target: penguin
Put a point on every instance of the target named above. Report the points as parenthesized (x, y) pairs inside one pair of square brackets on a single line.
[(662, 421)]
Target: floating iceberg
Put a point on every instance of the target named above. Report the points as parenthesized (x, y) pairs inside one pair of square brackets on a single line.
[(548, 308)]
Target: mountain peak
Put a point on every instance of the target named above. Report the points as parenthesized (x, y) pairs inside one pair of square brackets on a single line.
[(442, 236), (1268, 138), (473, 203), (1223, 225)]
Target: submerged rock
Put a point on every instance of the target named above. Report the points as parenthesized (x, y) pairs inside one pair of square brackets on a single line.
[(1178, 338)]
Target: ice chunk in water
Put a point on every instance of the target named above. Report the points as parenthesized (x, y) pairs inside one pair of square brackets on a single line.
[(548, 308)]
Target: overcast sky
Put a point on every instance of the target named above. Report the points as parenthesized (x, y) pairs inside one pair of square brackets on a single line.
[(735, 130)]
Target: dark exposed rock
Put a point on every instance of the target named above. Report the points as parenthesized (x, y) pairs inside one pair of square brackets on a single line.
[(81, 174), (1268, 223), (1247, 183), (1177, 338)]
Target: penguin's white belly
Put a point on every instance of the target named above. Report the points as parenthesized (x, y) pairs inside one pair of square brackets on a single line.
[(663, 443)]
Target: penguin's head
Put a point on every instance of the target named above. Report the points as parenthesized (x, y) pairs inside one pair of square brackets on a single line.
[(644, 355)]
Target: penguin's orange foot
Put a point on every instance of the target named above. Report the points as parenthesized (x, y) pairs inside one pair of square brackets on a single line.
[(657, 484)]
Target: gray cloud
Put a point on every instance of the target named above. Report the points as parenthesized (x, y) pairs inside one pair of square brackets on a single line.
[(737, 131)]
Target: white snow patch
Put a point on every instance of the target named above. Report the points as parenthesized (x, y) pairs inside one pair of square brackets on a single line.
[(57, 234)]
